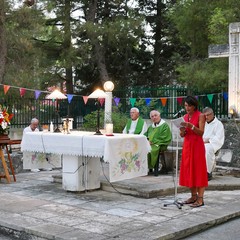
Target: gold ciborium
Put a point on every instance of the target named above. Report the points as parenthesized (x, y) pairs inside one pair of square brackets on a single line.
[(66, 126)]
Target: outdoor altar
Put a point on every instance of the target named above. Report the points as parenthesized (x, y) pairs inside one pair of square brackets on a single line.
[(81, 153)]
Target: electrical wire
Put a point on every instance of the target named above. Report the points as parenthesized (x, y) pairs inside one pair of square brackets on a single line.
[(122, 193), (54, 166), (82, 165)]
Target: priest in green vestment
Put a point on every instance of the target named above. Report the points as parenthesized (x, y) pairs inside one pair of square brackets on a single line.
[(159, 136), (135, 125)]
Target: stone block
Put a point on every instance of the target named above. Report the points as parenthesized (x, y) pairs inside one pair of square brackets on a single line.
[(224, 156), (171, 155), (16, 161)]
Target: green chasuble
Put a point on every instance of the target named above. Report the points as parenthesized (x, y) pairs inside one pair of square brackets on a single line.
[(139, 126), (159, 138)]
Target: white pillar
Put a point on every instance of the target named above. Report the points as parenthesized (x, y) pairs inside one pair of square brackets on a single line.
[(108, 108), (108, 87), (234, 74)]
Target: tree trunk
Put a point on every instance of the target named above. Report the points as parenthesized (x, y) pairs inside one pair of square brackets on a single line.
[(67, 46), (158, 46), (99, 51), (100, 59), (3, 44)]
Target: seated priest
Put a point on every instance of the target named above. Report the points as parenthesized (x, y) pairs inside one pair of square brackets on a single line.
[(159, 136), (213, 138), (135, 125)]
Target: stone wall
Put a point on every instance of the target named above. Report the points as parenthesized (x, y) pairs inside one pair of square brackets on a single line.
[(16, 161), (232, 140), (15, 153)]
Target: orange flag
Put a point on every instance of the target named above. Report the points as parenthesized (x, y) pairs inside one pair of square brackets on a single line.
[(164, 101), (6, 88)]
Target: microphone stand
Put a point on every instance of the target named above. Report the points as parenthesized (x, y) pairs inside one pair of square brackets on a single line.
[(175, 201)]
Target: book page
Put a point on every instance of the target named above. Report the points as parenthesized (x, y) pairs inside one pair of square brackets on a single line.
[(177, 122)]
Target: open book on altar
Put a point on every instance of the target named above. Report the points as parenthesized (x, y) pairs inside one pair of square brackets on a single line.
[(177, 122)]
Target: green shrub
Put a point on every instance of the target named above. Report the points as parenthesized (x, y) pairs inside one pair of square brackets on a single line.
[(119, 120)]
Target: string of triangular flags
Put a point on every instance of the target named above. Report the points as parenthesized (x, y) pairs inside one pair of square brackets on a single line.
[(179, 99), (116, 100)]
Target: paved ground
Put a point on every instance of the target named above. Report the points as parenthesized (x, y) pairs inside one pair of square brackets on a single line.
[(226, 231), (37, 208)]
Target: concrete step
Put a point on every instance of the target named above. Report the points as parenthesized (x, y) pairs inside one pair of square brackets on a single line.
[(162, 185)]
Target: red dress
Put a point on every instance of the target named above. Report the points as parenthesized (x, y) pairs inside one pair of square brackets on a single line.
[(193, 169)]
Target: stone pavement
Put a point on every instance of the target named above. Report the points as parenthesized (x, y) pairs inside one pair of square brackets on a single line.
[(35, 207)]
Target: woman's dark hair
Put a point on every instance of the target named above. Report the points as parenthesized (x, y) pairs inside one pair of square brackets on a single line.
[(191, 101)]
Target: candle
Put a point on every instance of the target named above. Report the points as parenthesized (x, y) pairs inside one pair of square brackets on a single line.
[(109, 129)]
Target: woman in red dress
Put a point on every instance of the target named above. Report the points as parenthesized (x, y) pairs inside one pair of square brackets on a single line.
[(193, 170)]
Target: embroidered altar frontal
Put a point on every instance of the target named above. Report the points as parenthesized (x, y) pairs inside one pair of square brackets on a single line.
[(125, 153)]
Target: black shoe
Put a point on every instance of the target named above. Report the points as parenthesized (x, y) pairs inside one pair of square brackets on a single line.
[(150, 172), (155, 172), (163, 170), (209, 176)]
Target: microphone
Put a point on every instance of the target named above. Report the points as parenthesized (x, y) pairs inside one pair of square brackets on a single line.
[(179, 112)]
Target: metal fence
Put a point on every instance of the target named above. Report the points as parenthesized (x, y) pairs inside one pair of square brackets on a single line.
[(148, 99), (25, 108), (174, 100)]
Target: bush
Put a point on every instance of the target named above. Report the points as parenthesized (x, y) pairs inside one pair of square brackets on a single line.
[(119, 120)]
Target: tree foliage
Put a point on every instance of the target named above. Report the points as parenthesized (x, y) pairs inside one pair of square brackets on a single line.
[(80, 44), (199, 24), (3, 43)]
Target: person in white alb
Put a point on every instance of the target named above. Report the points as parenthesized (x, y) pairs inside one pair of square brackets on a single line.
[(135, 125), (33, 127), (213, 138)]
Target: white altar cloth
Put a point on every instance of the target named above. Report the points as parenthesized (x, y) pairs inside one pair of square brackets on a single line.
[(125, 153)]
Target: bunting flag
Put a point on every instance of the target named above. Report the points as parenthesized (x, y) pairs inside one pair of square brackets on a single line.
[(55, 102), (179, 100), (85, 99), (101, 100), (22, 91), (6, 88), (70, 97), (116, 100), (148, 101), (164, 101), (210, 97), (225, 96), (132, 101), (37, 94)]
